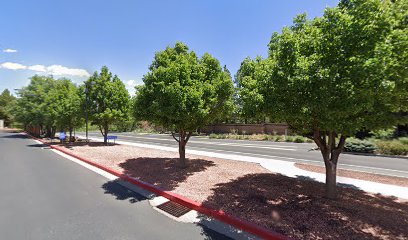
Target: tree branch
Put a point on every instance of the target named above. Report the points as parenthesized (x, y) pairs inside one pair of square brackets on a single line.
[(188, 136), (172, 134), (100, 129)]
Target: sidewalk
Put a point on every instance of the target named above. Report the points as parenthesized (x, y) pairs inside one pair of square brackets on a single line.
[(288, 169)]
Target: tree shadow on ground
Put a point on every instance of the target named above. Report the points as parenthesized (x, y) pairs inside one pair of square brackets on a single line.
[(15, 136), (297, 208), (116, 189), (163, 172), (80, 144)]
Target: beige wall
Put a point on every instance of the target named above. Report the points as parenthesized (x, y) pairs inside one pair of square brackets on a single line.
[(1, 123)]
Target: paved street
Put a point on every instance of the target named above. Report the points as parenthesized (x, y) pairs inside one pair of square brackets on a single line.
[(294, 152), (45, 196)]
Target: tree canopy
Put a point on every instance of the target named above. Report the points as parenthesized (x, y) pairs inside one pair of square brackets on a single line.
[(107, 100), (64, 105), (7, 102), (183, 92), (31, 108), (335, 75)]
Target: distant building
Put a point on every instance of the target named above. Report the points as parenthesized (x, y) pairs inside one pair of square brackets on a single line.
[(1, 123)]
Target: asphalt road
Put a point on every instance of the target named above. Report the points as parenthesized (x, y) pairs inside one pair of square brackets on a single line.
[(294, 152), (45, 196)]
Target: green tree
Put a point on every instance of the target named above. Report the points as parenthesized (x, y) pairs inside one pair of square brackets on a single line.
[(108, 100), (182, 92), (7, 102), (63, 103), (338, 74), (31, 108), (249, 98)]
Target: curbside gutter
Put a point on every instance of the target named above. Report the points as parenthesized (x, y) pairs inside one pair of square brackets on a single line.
[(217, 214)]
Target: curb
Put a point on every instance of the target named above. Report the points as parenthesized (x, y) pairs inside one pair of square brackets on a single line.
[(217, 214)]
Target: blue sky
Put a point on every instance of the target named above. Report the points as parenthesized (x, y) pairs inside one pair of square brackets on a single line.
[(72, 38)]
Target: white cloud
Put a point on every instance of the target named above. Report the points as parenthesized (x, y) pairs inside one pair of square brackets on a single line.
[(38, 68), (57, 70), (9, 50), (12, 66), (131, 83), (61, 70)]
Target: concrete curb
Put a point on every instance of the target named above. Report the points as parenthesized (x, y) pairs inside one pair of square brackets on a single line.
[(217, 214)]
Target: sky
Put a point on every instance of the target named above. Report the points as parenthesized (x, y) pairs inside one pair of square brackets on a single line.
[(74, 38)]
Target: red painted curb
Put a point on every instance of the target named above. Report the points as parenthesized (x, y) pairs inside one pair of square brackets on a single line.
[(217, 214)]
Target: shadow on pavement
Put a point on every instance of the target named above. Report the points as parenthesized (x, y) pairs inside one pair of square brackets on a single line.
[(121, 193), (297, 208), (15, 136), (163, 172)]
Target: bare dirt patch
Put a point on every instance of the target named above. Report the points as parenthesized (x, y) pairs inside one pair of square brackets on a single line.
[(293, 207), (399, 181)]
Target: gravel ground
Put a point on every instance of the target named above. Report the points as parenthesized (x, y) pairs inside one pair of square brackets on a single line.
[(294, 207), (399, 181)]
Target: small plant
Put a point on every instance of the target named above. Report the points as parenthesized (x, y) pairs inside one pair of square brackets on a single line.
[(279, 138), (213, 135), (289, 138), (383, 134), (403, 140), (299, 139), (394, 147), (234, 131), (357, 145)]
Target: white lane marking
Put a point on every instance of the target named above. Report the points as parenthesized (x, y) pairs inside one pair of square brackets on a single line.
[(247, 145)]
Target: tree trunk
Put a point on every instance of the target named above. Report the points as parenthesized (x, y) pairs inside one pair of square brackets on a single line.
[(182, 141), (331, 180), (182, 153), (330, 152), (70, 134), (105, 135)]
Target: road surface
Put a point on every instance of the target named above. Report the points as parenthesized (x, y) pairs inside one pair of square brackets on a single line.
[(45, 196), (293, 152)]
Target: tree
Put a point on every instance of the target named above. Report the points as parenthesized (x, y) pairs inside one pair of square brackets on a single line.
[(108, 100), (182, 92), (7, 102), (338, 74), (31, 108), (64, 105), (247, 80)]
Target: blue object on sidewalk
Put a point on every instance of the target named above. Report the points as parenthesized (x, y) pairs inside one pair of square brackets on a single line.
[(62, 136), (112, 138)]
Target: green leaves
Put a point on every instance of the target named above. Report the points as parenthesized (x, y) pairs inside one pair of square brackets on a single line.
[(64, 105), (333, 73), (106, 98), (182, 91)]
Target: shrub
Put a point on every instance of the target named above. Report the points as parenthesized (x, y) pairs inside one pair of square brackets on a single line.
[(279, 138), (357, 145), (213, 135), (403, 140), (383, 134), (289, 138), (393, 147), (308, 140), (299, 139)]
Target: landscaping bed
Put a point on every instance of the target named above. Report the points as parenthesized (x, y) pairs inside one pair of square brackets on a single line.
[(399, 181), (290, 206)]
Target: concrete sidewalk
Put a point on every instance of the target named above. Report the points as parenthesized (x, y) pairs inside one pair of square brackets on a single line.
[(287, 169)]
